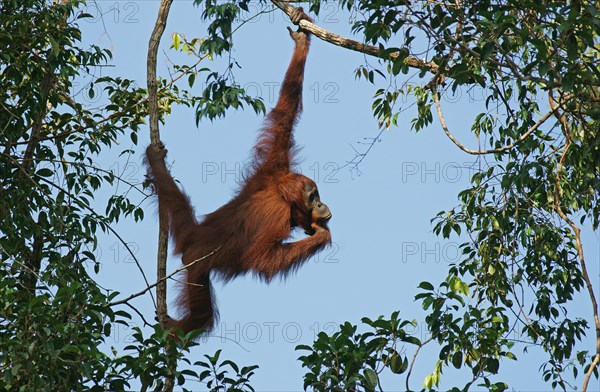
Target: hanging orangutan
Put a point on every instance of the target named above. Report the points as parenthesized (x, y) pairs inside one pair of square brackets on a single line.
[(248, 233)]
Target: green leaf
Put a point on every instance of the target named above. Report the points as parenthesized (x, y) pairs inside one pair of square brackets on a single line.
[(371, 378), (176, 41), (568, 81), (457, 359), (398, 364), (44, 172), (54, 45), (492, 365), (487, 50)]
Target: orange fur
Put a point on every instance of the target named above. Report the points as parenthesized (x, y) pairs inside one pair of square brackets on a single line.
[(249, 230)]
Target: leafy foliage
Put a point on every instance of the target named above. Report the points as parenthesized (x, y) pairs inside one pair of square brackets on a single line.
[(217, 376), (351, 361)]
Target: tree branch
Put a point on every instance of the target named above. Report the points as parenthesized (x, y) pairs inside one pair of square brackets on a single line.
[(159, 28), (347, 43), (163, 221), (524, 136)]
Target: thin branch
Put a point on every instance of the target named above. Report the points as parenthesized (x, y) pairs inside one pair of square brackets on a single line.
[(593, 365), (347, 43), (90, 125), (360, 156), (146, 323), (150, 287), (414, 358), (524, 136)]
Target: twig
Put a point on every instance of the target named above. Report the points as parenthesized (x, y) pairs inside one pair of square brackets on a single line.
[(146, 323), (338, 40), (150, 287), (360, 156)]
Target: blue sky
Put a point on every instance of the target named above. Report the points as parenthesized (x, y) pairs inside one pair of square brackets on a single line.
[(383, 244)]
